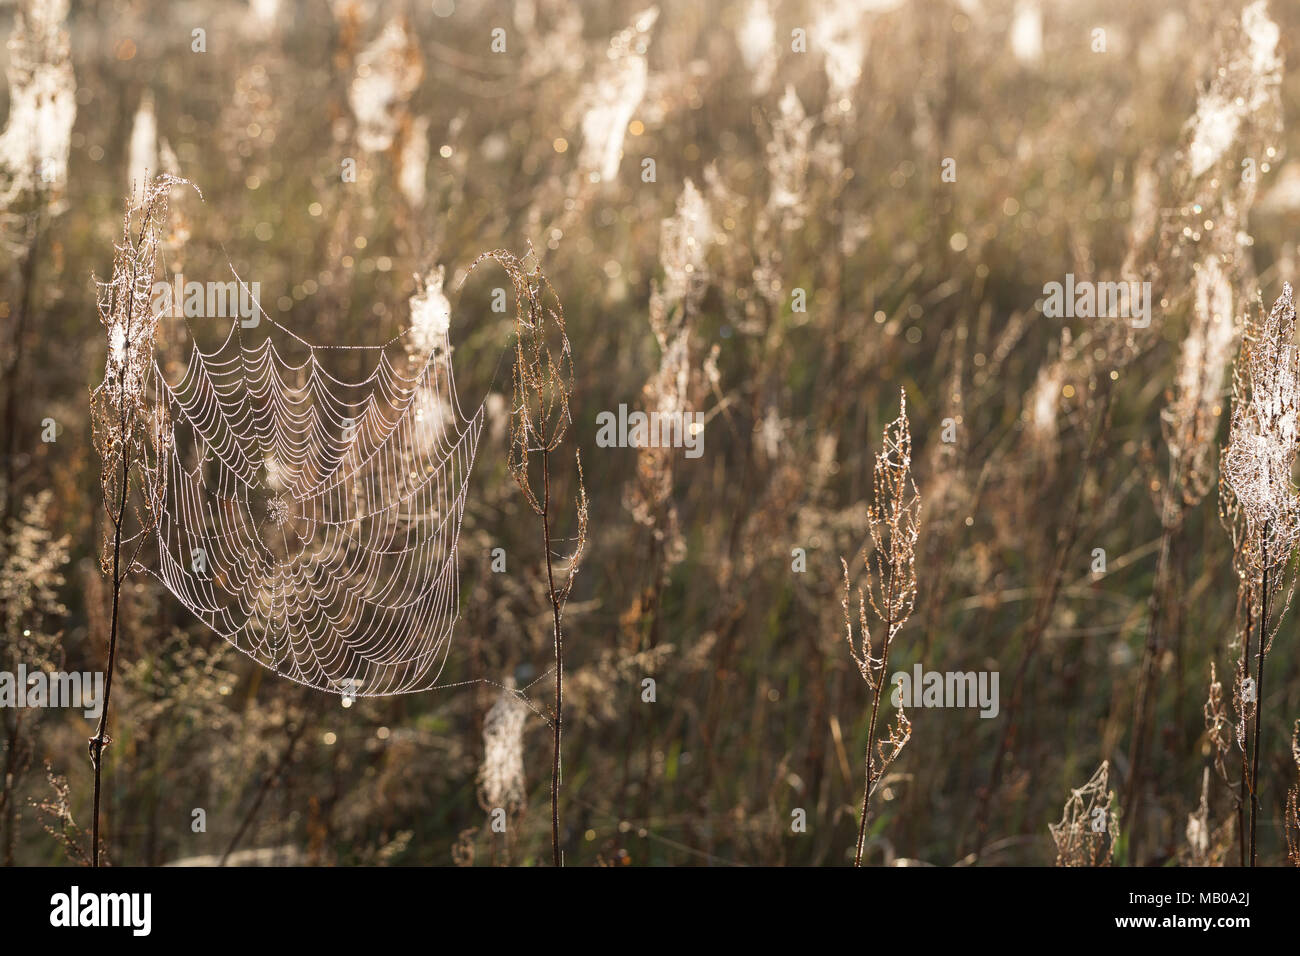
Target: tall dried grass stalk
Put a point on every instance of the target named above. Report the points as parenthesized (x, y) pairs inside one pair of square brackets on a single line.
[(543, 387), (1257, 466), (129, 432), (895, 521)]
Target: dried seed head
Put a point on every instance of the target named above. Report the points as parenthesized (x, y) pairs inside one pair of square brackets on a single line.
[(543, 379), (788, 156), (895, 520), (543, 386)]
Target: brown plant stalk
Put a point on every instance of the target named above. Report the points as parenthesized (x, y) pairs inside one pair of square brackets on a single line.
[(540, 418), (1257, 466), (1293, 804), (895, 520), (129, 432)]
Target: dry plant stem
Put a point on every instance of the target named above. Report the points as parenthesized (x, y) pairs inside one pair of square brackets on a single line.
[(1259, 697), (871, 737), (871, 732), (1241, 784), (7, 800), (543, 385), (116, 429), (894, 518), (97, 742), (1291, 807), (559, 660)]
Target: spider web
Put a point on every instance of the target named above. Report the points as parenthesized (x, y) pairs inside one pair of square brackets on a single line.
[(312, 520)]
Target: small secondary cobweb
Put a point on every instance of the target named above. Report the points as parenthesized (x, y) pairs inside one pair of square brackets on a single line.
[(312, 520)]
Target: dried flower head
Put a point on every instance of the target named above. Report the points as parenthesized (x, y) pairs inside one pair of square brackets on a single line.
[(756, 37), (839, 33), (1043, 403), (679, 384), (543, 385), (684, 240), (414, 161), (895, 520)]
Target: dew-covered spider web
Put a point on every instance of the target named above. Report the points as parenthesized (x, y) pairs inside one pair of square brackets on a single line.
[(311, 517)]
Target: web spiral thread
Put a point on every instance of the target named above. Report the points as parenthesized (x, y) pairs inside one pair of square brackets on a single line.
[(313, 521)]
